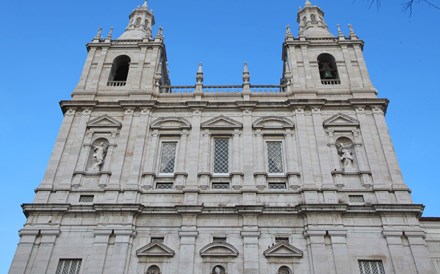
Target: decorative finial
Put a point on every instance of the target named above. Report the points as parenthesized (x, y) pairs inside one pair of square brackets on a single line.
[(246, 75), (352, 33), (245, 68), (98, 35), (199, 76), (308, 3), (339, 31), (110, 34), (145, 4), (159, 34), (288, 32)]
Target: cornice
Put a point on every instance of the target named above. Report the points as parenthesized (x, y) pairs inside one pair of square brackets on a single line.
[(413, 209)]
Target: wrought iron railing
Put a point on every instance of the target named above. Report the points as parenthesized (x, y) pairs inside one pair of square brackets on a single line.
[(116, 83)]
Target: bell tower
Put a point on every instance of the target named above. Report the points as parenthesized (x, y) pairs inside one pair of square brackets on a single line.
[(320, 64), (131, 65)]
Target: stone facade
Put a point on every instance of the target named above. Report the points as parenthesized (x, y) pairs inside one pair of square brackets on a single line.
[(299, 177)]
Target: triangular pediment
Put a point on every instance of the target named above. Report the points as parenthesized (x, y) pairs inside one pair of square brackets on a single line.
[(272, 122), (222, 122), (155, 249), (219, 250), (339, 120), (171, 123), (104, 121), (283, 250)]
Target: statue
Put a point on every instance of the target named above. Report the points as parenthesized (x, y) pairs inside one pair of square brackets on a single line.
[(217, 270), (345, 152), (99, 153)]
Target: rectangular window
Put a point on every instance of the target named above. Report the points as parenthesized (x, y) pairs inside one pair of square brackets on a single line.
[(157, 239), (168, 157), (86, 198), (371, 267), (356, 199), (221, 155), (277, 185), (220, 185), (219, 240), (68, 266), (275, 157), (164, 185), (282, 240)]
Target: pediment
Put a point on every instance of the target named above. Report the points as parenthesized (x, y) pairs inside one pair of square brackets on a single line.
[(104, 121), (219, 250), (155, 249), (273, 122), (339, 120), (283, 250), (170, 123), (222, 122)]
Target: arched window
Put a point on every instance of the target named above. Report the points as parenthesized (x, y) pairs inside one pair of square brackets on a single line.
[(146, 24), (328, 70), (154, 269), (119, 72), (218, 269), (138, 22), (313, 18), (284, 270)]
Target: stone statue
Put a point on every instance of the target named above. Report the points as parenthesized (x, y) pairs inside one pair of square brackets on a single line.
[(99, 153), (217, 270), (345, 152)]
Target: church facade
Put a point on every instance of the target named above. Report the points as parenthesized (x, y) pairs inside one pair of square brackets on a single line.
[(299, 177)]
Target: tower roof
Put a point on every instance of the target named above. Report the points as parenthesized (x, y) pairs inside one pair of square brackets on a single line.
[(140, 24), (311, 22)]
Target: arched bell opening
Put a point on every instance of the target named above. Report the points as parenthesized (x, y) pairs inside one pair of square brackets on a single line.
[(328, 71), (119, 73)]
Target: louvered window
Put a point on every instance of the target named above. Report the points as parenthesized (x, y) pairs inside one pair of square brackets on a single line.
[(168, 157), (221, 155), (371, 267), (68, 266), (275, 157)]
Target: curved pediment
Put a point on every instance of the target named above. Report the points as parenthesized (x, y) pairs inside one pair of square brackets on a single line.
[(170, 123), (341, 120), (219, 250), (155, 249), (273, 122), (104, 121), (222, 122), (283, 250)]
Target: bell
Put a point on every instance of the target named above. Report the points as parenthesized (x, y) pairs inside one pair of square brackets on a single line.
[(328, 74), (326, 71)]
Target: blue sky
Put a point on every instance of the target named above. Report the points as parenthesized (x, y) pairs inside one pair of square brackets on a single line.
[(43, 52)]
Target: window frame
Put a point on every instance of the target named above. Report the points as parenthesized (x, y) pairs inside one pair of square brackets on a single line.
[(62, 262), (228, 138), (283, 156), (379, 263), (160, 153)]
